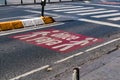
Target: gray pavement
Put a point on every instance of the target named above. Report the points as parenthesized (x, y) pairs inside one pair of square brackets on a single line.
[(110, 71), (106, 67)]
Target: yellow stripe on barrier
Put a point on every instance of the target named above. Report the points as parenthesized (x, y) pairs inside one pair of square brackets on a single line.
[(5, 26), (10, 25), (17, 24), (47, 19)]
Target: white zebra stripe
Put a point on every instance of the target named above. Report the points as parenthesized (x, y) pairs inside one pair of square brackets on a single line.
[(67, 7), (100, 22), (86, 10), (98, 12), (73, 9), (106, 15), (114, 19)]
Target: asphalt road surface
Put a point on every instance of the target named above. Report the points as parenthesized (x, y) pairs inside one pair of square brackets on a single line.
[(83, 32)]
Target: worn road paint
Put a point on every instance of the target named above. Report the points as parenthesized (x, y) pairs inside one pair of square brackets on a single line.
[(57, 40)]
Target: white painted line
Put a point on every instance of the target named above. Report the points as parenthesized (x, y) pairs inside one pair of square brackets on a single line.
[(93, 48), (98, 12), (3, 33), (114, 19), (30, 72), (100, 22), (39, 12), (67, 7), (9, 18), (103, 5), (62, 60), (73, 9), (86, 10), (86, 1), (90, 49), (52, 14), (106, 15), (48, 6), (32, 11), (27, 16)]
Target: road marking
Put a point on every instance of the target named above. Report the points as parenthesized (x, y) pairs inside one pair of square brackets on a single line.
[(73, 9), (27, 16), (69, 57), (67, 7), (48, 6), (90, 49), (26, 29), (39, 12), (85, 10), (46, 13), (57, 40), (63, 60), (100, 22), (103, 5), (32, 11), (114, 19), (98, 12), (112, 3), (30, 72), (106, 15)]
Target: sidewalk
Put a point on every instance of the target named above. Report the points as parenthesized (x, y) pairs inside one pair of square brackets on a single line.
[(110, 71), (106, 67)]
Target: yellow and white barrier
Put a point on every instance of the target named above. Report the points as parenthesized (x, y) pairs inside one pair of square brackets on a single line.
[(32, 22), (47, 19), (8, 25)]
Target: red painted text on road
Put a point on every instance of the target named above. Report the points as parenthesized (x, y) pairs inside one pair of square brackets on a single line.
[(57, 40)]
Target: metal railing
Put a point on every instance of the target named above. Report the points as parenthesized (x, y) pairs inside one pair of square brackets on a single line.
[(21, 2)]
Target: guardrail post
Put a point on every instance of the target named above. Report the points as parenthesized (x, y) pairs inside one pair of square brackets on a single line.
[(76, 74), (43, 3), (34, 1), (48, 1), (5, 2), (21, 1)]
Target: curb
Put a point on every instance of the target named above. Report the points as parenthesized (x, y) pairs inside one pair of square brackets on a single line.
[(16, 24)]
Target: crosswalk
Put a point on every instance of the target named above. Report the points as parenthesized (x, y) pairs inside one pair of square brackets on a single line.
[(85, 10), (92, 12), (73, 9), (62, 7), (114, 19), (107, 15), (98, 12), (100, 22)]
